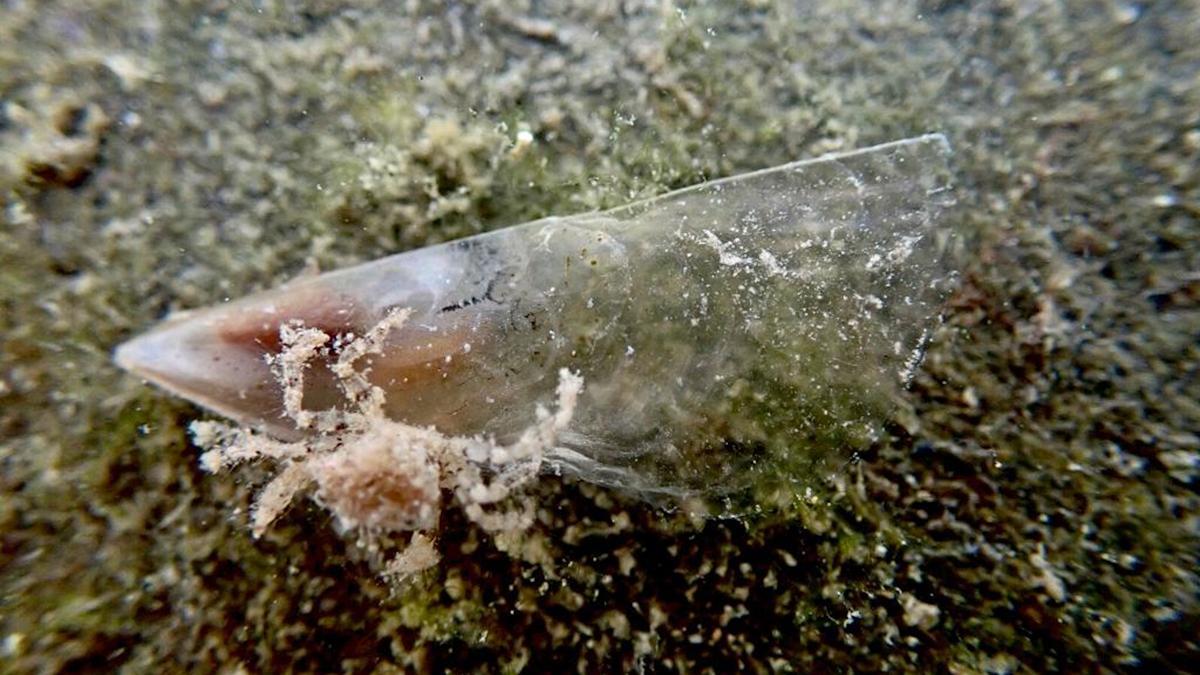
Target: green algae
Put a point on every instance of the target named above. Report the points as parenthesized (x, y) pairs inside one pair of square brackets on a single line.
[(1030, 447)]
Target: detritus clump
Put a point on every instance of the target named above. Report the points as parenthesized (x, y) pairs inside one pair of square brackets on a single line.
[(376, 475)]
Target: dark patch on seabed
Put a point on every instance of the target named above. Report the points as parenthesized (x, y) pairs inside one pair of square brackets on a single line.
[(1031, 507)]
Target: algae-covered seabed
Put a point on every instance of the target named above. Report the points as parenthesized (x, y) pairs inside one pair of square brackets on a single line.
[(1031, 507)]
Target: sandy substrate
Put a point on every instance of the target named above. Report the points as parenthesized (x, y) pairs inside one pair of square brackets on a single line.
[(1033, 504)]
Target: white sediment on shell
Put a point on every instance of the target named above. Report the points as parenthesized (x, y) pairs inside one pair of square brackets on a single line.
[(377, 475)]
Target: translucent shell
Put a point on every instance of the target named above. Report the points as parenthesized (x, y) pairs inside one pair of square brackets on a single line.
[(741, 326)]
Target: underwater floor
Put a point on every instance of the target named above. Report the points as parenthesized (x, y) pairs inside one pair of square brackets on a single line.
[(1029, 501)]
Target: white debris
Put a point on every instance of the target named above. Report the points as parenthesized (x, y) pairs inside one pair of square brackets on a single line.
[(919, 614), (724, 254), (374, 474)]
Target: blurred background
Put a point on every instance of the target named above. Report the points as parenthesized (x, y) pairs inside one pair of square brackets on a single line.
[(1032, 507)]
